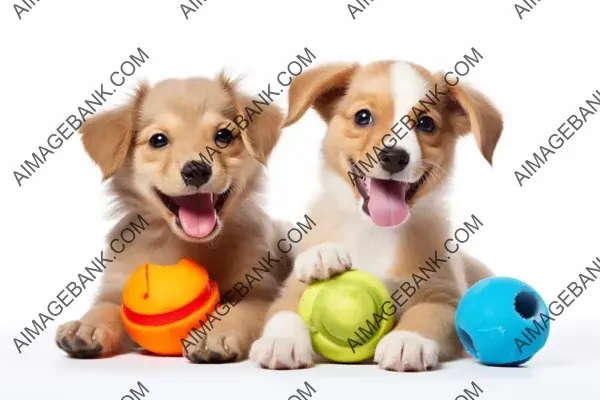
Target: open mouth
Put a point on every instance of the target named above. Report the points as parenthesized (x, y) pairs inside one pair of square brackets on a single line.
[(386, 200), (195, 214)]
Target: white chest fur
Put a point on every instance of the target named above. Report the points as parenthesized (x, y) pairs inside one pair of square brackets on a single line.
[(372, 248)]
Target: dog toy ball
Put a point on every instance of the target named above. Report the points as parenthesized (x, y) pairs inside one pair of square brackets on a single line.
[(502, 321), (337, 308), (161, 304)]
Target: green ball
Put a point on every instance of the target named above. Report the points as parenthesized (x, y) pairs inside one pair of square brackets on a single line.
[(336, 308)]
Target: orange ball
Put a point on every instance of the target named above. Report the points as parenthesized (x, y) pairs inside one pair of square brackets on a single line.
[(161, 304)]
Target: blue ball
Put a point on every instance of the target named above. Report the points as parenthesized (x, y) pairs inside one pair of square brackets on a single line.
[(502, 321)]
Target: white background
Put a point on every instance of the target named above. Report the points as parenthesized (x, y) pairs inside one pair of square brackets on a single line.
[(538, 71)]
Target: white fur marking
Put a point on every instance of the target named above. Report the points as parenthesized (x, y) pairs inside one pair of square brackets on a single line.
[(285, 342), (372, 248), (406, 351), (321, 262), (408, 87)]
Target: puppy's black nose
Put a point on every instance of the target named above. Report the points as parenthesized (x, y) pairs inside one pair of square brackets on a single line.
[(195, 173), (394, 160)]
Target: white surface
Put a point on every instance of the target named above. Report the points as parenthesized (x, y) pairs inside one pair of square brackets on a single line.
[(538, 71), (566, 368)]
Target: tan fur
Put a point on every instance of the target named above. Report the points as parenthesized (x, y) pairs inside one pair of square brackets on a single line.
[(189, 111), (337, 92)]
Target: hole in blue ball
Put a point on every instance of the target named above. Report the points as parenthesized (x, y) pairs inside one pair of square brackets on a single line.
[(526, 304), (465, 338)]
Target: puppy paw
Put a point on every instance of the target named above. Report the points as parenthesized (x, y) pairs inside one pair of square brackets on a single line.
[(215, 347), (83, 340), (281, 353), (286, 343), (321, 262), (406, 351)]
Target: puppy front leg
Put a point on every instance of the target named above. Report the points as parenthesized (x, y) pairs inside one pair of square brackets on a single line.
[(424, 336), (230, 337), (321, 262), (99, 333), (285, 342)]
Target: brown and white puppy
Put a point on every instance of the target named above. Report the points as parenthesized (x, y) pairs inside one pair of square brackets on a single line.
[(151, 149), (388, 218)]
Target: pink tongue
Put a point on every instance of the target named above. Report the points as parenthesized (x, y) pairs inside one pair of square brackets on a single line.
[(197, 214), (387, 204)]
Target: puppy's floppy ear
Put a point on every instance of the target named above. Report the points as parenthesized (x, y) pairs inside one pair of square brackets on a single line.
[(471, 111), (320, 87), (108, 136), (263, 130)]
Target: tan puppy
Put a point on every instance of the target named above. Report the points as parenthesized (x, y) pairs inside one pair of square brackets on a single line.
[(386, 218), (153, 148)]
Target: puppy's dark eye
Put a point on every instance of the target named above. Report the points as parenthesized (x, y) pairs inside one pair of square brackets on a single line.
[(159, 140), (223, 137), (426, 124), (363, 117)]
